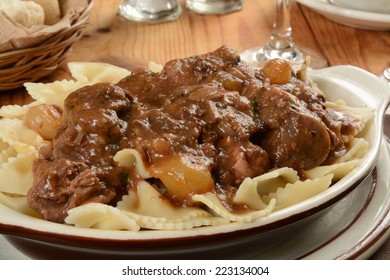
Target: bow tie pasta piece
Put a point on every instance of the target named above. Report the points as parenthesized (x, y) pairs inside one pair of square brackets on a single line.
[(85, 73), (251, 191), (97, 72), (148, 202), (212, 201), (131, 158), (248, 194), (18, 204), (16, 111), (280, 185), (100, 216), (358, 150), (19, 136), (52, 93), (299, 191), (152, 211), (183, 225), (338, 170), (16, 174)]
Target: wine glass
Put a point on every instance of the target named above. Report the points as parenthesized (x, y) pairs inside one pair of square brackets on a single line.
[(281, 44), (153, 11)]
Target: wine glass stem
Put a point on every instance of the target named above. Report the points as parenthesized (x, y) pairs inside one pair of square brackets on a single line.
[(281, 37), (281, 43)]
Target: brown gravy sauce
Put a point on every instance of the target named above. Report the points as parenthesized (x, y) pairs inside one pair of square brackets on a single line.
[(203, 124)]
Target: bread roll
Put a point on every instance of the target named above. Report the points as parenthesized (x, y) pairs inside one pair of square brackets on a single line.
[(51, 9), (26, 13)]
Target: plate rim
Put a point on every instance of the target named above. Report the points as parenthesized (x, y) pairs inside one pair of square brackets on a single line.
[(372, 239)]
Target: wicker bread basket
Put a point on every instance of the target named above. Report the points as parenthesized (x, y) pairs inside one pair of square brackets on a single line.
[(31, 64)]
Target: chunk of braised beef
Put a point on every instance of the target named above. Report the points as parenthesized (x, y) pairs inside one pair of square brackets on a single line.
[(294, 137), (237, 160), (78, 167)]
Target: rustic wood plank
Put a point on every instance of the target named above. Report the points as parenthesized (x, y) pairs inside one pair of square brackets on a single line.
[(191, 34), (341, 44)]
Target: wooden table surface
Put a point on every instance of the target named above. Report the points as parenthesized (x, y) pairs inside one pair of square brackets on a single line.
[(110, 38)]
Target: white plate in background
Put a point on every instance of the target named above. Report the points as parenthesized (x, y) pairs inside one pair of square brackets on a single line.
[(349, 17)]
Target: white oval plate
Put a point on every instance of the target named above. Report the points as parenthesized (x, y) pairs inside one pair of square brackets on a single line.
[(349, 17)]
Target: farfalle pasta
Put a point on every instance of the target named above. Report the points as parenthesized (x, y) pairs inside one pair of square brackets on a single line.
[(198, 142)]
